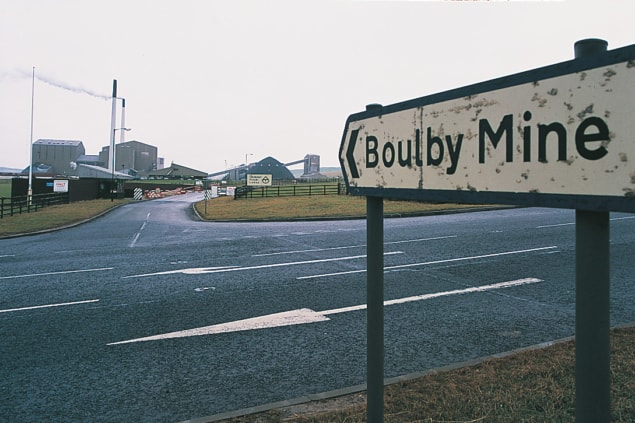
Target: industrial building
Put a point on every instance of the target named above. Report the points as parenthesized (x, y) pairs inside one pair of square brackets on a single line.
[(64, 157), (132, 157), (57, 156), (177, 171)]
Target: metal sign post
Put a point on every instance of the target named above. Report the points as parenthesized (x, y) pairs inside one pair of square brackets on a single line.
[(375, 310), (558, 136), (592, 302)]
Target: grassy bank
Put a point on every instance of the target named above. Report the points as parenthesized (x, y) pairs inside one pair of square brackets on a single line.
[(531, 386), (54, 216), (318, 206)]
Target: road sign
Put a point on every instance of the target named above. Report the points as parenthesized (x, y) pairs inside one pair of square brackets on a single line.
[(256, 180), (559, 136)]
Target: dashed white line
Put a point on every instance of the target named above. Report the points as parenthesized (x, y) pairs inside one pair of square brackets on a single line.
[(223, 269), (623, 218), (401, 266), (313, 250), (63, 272), (573, 223), (48, 306), (555, 225), (138, 234)]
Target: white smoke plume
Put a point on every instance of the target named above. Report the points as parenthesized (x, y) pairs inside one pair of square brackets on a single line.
[(56, 83)]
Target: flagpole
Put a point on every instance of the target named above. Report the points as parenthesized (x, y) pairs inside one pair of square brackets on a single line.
[(30, 190)]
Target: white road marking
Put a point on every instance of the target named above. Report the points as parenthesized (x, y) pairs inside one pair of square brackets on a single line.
[(555, 225), (312, 250), (138, 234), (573, 223), (48, 306), (222, 269), (623, 218), (401, 266), (305, 315), (63, 272), (308, 250)]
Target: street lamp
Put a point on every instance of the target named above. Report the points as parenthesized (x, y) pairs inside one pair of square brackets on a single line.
[(29, 193), (247, 154)]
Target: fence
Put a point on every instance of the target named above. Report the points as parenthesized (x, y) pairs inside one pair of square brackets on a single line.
[(289, 190), (21, 204)]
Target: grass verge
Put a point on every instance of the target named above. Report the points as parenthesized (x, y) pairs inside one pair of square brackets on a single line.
[(54, 216), (531, 386), (319, 206)]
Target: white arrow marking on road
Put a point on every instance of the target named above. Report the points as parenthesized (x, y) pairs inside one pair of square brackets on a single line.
[(48, 306), (206, 270), (188, 271), (305, 315)]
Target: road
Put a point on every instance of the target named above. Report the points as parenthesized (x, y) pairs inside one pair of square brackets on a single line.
[(146, 314)]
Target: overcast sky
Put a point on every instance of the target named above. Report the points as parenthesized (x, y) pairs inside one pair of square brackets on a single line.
[(211, 82)]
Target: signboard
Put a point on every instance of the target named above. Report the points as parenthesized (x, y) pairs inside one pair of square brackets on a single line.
[(558, 136), (255, 180), (60, 185)]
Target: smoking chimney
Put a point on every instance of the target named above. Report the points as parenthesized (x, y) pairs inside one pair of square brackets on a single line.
[(113, 118), (123, 121)]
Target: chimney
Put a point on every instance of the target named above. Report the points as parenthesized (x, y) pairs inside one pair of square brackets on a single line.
[(123, 121)]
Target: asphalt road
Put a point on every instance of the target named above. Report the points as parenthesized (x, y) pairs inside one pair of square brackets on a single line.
[(146, 314)]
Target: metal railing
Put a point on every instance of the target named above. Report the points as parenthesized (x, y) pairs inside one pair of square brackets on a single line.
[(10, 206), (289, 190)]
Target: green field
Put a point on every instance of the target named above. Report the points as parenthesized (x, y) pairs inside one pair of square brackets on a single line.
[(5, 188)]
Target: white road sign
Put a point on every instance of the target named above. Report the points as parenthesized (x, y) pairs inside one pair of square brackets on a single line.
[(563, 136)]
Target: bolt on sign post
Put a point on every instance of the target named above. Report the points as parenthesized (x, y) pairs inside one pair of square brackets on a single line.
[(558, 136)]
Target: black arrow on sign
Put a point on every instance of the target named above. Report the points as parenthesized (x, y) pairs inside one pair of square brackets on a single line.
[(349, 154)]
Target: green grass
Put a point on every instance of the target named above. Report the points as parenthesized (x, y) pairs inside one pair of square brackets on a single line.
[(318, 206), (532, 386), (54, 216), (5, 188)]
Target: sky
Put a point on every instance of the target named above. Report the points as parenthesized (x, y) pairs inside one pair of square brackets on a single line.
[(215, 83)]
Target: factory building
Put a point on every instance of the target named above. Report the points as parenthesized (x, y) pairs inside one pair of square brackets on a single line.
[(132, 155), (59, 156)]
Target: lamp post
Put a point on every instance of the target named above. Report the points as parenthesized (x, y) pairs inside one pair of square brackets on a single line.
[(247, 154), (29, 193)]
